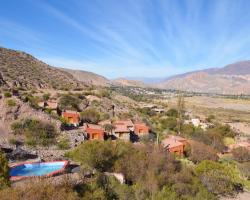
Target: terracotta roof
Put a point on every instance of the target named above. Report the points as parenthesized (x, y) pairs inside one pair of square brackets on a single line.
[(94, 126), (124, 122), (170, 143), (121, 128), (178, 138)]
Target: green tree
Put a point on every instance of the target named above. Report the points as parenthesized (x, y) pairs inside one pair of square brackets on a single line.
[(69, 102), (109, 128), (4, 171)]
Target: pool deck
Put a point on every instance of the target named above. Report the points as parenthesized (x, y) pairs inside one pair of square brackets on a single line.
[(17, 178)]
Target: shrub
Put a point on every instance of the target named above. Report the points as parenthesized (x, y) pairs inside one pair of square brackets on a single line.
[(40, 190), (172, 113), (46, 97), (245, 169), (215, 178), (4, 172), (90, 115), (35, 131), (200, 152), (241, 154), (11, 102), (169, 123), (63, 144), (94, 155), (7, 94), (69, 102)]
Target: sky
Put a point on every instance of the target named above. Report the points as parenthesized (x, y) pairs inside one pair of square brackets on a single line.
[(129, 38)]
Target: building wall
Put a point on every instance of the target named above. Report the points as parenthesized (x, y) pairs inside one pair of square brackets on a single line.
[(95, 134), (179, 150)]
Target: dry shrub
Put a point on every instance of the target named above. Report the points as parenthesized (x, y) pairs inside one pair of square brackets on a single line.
[(39, 190)]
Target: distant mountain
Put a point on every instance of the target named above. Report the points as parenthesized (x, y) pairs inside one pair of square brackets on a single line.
[(130, 83), (89, 77), (231, 79)]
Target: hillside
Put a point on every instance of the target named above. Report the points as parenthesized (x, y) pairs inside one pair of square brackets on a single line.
[(20, 69), (88, 77), (231, 79), (129, 83)]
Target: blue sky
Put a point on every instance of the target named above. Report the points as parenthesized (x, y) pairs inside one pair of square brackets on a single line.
[(129, 38)]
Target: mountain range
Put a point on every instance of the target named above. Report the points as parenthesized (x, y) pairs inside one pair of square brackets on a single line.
[(231, 79), (20, 69)]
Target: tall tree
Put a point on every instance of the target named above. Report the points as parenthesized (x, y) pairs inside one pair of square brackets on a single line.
[(180, 109)]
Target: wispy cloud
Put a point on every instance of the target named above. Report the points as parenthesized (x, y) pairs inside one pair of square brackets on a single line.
[(140, 38)]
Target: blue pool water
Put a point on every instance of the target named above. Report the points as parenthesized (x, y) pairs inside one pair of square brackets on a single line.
[(36, 169)]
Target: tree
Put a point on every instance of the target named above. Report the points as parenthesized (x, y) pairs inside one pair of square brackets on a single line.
[(109, 128), (180, 109), (4, 171), (96, 155), (90, 115)]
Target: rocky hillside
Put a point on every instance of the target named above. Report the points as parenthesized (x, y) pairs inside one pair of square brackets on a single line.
[(231, 79), (23, 70), (89, 77)]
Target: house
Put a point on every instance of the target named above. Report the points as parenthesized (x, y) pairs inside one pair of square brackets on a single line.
[(141, 129), (175, 144), (94, 132), (123, 128), (159, 110), (72, 117), (51, 104)]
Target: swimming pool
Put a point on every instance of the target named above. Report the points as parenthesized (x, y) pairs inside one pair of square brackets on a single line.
[(26, 170)]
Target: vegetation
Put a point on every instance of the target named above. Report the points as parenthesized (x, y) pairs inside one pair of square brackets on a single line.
[(241, 154), (63, 144), (4, 172), (7, 94), (149, 170), (11, 103), (90, 115), (69, 102), (35, 131)]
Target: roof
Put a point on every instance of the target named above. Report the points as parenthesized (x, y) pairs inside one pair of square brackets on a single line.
[(124, 122), (120, 128), (94, 126), (178, 138), (170, 143)]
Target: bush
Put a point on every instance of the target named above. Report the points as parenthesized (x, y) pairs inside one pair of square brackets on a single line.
[(172, 113), (4, 172), (90, 115), (11, 102), (200, 152), (35, 131), (69, 102), (63, 144), (245, 169), (40, 190), (169, 123), (241, 154), (7, 94), (94, 155), (216, 178), (46, 97)]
